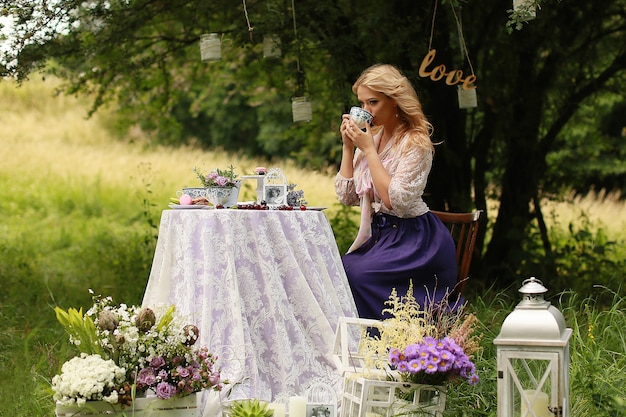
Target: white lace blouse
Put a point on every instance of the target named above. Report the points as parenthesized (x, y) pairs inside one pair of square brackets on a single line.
[(409, 169)]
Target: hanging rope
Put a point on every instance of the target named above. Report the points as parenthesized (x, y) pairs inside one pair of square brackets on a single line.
[(461, 38), (245, 12), (432, 27), (295, 31)]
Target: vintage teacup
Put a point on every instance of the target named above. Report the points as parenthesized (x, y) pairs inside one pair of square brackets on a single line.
[(361, 117), (193, 192)]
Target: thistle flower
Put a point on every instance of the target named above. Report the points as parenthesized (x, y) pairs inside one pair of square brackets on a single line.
[(145, 319), (190, 332), (107, 320)]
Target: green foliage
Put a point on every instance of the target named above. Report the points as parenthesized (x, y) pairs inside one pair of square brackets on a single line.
[(54, 248), (546, 119), (345, 224), (598, 361), (80, 328), (582, 256), (591, 155), (597, 358)]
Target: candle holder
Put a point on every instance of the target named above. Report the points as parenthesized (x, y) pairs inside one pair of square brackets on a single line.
[(533, 358)]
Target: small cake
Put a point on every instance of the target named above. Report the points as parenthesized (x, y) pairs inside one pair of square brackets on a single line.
[(260, 170)]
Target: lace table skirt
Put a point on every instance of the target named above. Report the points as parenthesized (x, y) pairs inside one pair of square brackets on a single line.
[(265, 288)]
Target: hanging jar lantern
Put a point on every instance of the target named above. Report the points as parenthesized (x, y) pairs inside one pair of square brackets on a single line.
[(467, 98), (532, 351), (301, 109), (271, 46), (210, 47), (527, 9)]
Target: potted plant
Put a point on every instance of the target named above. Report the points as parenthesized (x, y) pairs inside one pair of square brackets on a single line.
[(222, 185), (410, 358), (251, 407)]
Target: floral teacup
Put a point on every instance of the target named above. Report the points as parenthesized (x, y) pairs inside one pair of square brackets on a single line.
[(361, 117), (193, 192)]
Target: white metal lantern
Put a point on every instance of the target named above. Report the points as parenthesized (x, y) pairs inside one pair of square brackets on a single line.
[(533, 358)]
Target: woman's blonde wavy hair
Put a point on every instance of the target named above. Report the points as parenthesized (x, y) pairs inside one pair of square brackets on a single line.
[(388, 80)]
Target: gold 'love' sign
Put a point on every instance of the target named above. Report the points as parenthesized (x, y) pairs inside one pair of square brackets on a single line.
[(453, 77)]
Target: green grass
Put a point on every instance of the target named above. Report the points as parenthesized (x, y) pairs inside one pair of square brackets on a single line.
[(80, 209)]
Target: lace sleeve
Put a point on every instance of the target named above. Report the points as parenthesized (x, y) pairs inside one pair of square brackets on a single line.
[(408, 182), (344, 187)]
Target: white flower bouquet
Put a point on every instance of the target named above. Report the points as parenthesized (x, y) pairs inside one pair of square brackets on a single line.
[(88, 378)]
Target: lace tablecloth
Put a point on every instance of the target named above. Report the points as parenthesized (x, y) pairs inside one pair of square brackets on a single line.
[(265, 288)]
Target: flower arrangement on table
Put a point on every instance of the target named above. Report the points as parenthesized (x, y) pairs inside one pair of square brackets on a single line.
[(217, 177), (295, 198), (126, 351), (429, 346)]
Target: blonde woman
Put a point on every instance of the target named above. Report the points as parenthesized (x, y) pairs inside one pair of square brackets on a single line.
[(384, 169)]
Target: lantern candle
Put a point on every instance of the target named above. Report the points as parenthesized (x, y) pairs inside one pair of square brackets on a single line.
[(540, 407), (297, 406), (278, 409)]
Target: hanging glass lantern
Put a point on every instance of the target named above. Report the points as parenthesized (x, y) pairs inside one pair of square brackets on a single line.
[(467, 98), (210, 47), (301, 109), (533, 358), (271, 46)]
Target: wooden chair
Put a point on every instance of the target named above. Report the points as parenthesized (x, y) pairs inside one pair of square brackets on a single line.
[(464, 229)]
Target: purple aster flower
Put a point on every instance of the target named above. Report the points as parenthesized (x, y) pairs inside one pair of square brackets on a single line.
[(412, 351), (415, 366), (165, 390), (429, 341), (423, 351), (446, 361), (403, 366), (394, 356), (473, 379), (431, 367)]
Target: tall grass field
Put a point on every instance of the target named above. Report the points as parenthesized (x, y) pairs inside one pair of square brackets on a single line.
[(80, 208)]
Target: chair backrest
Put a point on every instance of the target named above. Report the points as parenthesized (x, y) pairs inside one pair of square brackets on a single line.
[(464, 229)]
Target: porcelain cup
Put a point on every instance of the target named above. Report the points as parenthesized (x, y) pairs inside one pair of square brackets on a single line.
[(361, 117), (193, 192)]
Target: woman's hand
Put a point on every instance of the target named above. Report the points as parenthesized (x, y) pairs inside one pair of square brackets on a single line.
[(362, 140), (347, 141)]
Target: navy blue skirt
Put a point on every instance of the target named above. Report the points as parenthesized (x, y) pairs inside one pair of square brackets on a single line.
[(418, 249)]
